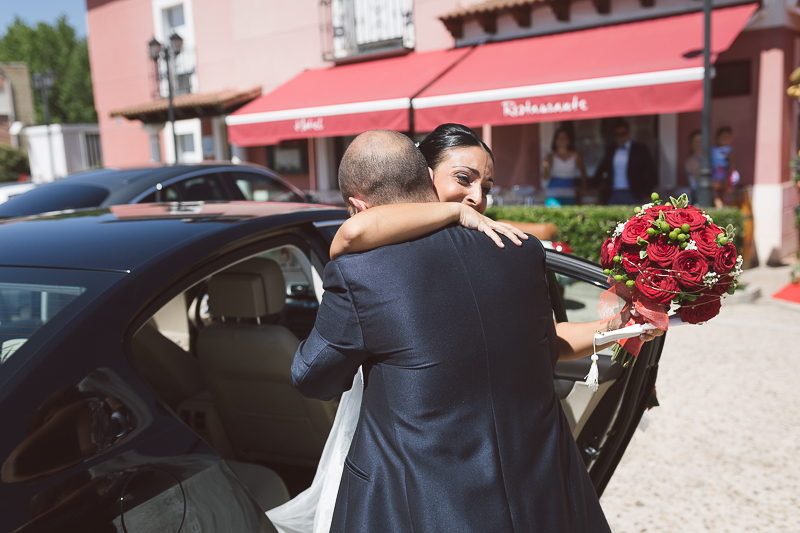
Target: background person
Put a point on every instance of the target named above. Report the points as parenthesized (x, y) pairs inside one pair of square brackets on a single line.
[(564, 170), (694, 163), (626, 175), (722, 165)]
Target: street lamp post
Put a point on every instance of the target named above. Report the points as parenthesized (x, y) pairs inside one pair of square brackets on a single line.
[(43, 82), (704, 194), (169, 52)]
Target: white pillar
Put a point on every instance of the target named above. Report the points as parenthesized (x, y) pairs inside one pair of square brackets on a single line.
[(668, 151), (327, 175), (767, 188), (220, 133), (237, 154), (153, 130)]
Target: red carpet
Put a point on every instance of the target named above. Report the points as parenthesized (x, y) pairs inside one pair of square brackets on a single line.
[(790, 293)]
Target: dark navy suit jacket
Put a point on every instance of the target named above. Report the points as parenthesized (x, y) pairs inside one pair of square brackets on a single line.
[(460, 427)]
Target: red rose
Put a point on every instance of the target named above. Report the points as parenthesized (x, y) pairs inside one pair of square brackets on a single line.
[(703, 309), (662, 251), (607, 252), (678, 217), (656, 285), (635, 228), (656, 209), (723, 284), (705, 239), (694, 209), (725, 259), (689, 268), (713, 228), (633, 263)]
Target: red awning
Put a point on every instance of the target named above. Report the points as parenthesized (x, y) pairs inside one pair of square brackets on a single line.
[(341, 100), (649, 67)]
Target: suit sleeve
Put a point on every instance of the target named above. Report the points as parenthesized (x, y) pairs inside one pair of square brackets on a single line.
[(325, 363)]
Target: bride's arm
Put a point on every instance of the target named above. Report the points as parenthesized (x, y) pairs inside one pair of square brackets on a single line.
[(575, 338), (396, 223)]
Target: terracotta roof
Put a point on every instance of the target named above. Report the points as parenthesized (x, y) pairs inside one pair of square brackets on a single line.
[(490, 6), (190, 105)]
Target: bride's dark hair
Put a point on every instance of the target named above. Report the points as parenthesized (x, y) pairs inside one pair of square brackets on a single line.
[(439, 142)]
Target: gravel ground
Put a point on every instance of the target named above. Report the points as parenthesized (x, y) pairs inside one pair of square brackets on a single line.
[(722, 452)]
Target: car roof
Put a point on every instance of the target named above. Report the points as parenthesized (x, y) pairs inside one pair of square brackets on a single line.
[(124, 237), (130, 182)]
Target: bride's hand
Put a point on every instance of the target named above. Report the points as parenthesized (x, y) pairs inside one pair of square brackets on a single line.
[(471, 219)]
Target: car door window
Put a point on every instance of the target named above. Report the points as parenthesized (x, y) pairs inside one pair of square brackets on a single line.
[(204, 188), (256, 187)]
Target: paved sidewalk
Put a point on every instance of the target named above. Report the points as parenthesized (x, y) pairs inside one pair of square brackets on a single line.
[(722, 452)]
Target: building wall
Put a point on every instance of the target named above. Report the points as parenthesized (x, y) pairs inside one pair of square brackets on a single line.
[(119, 31)]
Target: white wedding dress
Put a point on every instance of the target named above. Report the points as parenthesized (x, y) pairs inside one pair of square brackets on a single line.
[(311, 511)]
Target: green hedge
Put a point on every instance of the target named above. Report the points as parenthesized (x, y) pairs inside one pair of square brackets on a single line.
[(13, 162), (585, 228)]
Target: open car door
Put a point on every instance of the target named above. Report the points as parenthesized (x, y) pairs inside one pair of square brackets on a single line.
[(602, 422)]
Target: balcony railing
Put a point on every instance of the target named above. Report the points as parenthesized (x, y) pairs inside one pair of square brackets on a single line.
[(351, 28), (183, 78)]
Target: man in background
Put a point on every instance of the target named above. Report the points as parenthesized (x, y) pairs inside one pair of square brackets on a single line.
[(626, 175)]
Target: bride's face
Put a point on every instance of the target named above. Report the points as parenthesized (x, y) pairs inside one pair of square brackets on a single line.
[(465, 176)]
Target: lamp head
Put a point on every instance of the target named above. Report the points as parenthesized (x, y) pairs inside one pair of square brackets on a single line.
[(175, 43), (155, 49)]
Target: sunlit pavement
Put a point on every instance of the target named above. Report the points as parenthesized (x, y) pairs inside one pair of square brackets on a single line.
[(722, 452)]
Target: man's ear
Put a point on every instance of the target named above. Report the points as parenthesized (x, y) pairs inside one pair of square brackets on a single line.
[(430, 171), (358, 204)]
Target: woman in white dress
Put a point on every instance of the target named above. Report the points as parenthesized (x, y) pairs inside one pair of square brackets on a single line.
[(564, 171)]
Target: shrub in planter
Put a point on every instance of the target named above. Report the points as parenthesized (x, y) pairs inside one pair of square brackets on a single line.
[(13, 162), (585, 227)]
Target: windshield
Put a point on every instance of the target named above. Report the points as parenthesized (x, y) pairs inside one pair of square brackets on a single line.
[(54, 198), (35, 303)]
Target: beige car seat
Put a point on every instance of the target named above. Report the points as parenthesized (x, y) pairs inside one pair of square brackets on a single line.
[(247, 364), (171, 372)]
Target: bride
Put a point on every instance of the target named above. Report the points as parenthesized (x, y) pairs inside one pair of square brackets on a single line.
[(462, 170)]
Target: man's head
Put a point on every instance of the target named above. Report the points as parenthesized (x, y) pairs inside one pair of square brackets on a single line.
[(384, 167), (622, 132)]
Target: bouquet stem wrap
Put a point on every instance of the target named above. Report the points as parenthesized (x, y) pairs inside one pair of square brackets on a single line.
[(620, 300)]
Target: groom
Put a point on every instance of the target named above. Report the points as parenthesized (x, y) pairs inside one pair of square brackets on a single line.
[(460, 428)]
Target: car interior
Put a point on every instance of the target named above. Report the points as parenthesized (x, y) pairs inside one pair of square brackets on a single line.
[(218, 356)]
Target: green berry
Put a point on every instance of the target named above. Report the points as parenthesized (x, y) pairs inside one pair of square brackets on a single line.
[(637, 209), (673, 235), (617, 259), (651, 231), (606, 271), (685, 228), (682, 236), (630, 283), (654, 196), (618, 277), (664, 227), (723, 241), (691, 297), (684, 245)]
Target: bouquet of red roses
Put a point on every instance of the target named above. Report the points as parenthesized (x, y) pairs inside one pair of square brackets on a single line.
[(669, 256)]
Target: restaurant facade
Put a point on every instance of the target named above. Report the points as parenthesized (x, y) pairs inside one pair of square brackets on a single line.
[(312, 76)]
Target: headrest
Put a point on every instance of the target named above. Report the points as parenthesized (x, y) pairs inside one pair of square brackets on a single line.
[(236, 295), (250, 289)]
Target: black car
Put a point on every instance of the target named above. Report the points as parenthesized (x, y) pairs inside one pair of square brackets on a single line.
[(176, 183), (145, 366)]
